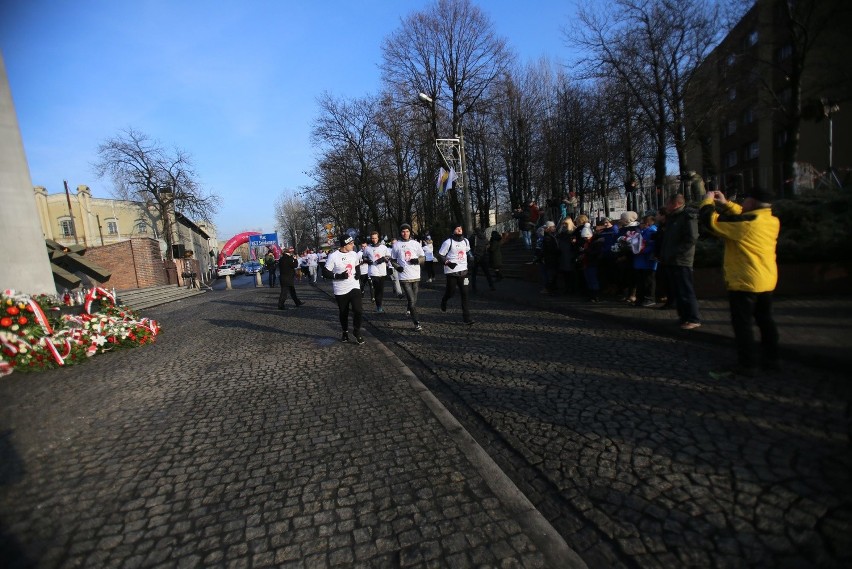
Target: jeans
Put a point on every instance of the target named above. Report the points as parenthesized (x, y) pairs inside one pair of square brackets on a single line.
[(527, 236), (680, 281), (746, 306), (411, 288)]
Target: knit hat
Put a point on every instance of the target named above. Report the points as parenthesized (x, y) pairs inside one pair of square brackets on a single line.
[(345, 240), (404, 226), (760, 194)]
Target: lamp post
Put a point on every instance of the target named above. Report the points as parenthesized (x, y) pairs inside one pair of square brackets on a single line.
[(456, 145)]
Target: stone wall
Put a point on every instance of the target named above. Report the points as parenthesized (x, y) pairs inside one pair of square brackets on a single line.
[(134, 263)]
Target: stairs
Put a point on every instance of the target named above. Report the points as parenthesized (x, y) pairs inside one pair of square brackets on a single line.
[(141, 298), (515, 259)]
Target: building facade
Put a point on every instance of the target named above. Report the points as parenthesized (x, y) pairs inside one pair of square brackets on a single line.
[(79, 218), (740, 121)]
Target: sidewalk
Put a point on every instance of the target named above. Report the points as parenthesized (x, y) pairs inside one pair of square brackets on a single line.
[(252, 437), (814, 330)]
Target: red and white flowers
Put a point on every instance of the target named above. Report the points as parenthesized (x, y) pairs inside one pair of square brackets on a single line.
[(35, 336)]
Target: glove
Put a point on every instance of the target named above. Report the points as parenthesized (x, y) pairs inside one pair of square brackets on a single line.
[(368, 260), (414, 262), (341, 276), (358, 271), (380, 260), (451, 264)]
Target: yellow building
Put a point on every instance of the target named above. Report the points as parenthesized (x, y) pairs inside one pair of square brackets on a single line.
[(93, 222)]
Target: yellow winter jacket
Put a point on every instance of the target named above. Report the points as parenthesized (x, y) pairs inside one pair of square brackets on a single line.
[(750, 240)]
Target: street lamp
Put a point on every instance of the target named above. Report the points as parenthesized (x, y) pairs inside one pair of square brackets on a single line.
[(455, 146)]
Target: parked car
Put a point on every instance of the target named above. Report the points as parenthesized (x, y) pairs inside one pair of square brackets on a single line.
[(224, 270), (253, 267)]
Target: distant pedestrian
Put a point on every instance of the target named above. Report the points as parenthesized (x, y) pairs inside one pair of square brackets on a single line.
[(271, 263), (645, 263), (454, 254), (495, 254), (429, 253), (363, 272), (678, 254), (407, 256), (341, 267), (377, 256), (287, 265), (313, 262), (481, 260), (750, 233)]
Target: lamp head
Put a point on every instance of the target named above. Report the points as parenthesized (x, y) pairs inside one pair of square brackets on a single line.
[(425, 98)]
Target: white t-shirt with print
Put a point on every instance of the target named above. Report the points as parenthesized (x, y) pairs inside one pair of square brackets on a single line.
[(402, 253), (455, 252), (337, 262), (377, 252)]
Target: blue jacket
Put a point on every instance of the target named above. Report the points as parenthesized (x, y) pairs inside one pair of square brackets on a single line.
[(646, 258)]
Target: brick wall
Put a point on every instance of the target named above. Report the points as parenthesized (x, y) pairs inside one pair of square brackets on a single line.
[(135, 263)]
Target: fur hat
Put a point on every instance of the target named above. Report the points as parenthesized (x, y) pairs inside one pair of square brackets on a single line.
[(629, 216)]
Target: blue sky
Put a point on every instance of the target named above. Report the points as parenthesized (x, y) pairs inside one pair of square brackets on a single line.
[(233, 83)]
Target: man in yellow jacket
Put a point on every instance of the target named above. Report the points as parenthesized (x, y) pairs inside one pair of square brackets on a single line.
[(750, 234)]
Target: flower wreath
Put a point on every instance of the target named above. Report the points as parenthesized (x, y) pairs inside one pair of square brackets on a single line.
[(35, 336)]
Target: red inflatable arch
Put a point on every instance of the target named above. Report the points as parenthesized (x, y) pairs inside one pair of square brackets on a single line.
[(231, 245)]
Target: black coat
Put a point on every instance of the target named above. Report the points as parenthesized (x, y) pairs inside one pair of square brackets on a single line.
[(287, 268)]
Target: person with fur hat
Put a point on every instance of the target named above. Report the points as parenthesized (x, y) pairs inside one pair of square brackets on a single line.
[(341, 267), (406, 256), (750, 234), (453, 253)]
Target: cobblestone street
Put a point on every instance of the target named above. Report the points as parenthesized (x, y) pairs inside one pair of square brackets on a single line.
[(249, 437)]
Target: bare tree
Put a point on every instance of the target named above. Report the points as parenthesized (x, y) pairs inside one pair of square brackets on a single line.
[(142, 170), (450, 52), (654, 47), (294, 219)]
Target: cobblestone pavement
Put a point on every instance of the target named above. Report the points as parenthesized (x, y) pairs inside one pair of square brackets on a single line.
[(224, 445), (245, 437), (633, 452)]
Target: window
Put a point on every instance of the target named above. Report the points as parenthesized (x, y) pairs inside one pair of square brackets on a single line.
[(732, 93), (784, 52), (732, 58), (750, 115), (66, 226), (112, 226), (731, 159), (751, 39), (141, 227), (753, 150), (731, 127)]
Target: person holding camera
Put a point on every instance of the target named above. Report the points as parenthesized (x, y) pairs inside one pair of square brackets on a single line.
[(750, 234), (341, 267)]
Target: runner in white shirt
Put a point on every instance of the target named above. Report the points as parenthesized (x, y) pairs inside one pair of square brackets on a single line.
[(407, 256), (341, 267), (377, 255), (313, 263), (453, 252), (428, 250), (363, 268)]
